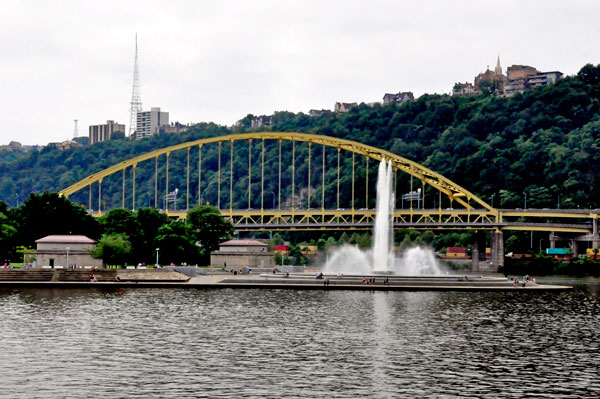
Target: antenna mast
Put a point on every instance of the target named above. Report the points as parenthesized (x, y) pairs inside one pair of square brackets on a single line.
[(75, 130), (136, 99)]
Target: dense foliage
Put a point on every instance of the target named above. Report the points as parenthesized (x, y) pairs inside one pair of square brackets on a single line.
[(124, 237)]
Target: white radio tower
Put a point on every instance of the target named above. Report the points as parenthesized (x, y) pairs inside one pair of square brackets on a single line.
[(75, 131), (136, 99)]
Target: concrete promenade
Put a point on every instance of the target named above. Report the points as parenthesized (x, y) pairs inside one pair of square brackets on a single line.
[(301, 281)]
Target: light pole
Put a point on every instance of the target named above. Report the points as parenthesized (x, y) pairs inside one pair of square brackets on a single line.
[(492, 199), (558, 202), (525, 199), (67, 256), (531, 245), (157, 249), (175, 200), (273, 192)]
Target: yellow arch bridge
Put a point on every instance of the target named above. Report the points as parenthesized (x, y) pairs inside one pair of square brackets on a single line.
[(324, 199)]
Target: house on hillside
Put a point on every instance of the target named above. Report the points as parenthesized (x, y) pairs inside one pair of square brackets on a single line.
[(398, 98), (259, 121), (344, 107)]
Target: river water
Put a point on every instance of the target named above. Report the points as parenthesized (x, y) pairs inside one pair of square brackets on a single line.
[(299, 344)]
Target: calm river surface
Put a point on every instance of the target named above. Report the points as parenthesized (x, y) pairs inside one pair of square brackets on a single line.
[(299, 344)]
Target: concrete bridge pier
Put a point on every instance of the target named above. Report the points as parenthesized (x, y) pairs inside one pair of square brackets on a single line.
[(478, 252), (552, 240), (575, 249), (595, 235), (497, 248)]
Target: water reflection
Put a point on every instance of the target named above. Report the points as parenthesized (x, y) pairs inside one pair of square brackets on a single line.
[(295, 344)]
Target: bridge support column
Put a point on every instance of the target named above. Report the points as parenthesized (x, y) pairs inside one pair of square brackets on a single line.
[(497, 248), (475, 256), (478, 252), (575, 248), (552, 239), (595, 234)]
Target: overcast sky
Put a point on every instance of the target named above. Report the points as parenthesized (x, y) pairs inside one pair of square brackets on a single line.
[(220, 60)]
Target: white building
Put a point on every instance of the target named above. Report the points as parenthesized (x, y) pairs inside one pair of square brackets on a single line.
[(150, 122)]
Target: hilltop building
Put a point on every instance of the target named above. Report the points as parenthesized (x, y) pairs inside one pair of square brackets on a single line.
[(263, 120), (16, 146), (463, 89), (318, 112), (524, 77), (174, 128), (544, 78), (489, 79), (398, 98), (98, 133), (64, 145), (344, 107), (150, 122), (518, 79)]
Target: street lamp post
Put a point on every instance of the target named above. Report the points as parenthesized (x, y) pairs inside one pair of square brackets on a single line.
[(67, 256), (492, 199), (273, 192), (175, 200), (558, 202), (157, 249), (525, 199)]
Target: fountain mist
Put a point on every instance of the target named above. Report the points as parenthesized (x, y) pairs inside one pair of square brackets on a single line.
[(383, 232), (349, 259)]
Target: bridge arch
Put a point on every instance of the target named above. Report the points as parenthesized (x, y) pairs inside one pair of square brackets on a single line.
[(426, 176)]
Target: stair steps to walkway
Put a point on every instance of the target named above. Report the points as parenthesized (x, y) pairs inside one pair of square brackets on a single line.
[(26, 275), (84, 275)]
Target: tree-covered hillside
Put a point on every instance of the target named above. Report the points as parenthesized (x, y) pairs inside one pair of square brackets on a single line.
[(544, 143)]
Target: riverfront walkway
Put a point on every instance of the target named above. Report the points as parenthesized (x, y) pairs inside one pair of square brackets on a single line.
[(297, 281)]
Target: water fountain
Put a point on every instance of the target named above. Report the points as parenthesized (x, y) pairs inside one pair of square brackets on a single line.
[(380, 259)]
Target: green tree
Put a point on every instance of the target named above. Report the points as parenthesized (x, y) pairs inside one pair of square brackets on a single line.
[(121, 221), (150, 221), (206, 228), (590, 74), (344, 239), (47, 214), (8, 234), (176, 246), (124, 221), (113, 249), (277, 240)]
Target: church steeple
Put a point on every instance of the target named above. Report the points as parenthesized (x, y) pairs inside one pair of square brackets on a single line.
[(498, 69)]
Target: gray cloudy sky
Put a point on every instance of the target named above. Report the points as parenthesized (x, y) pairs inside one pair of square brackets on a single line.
[(220, 60)]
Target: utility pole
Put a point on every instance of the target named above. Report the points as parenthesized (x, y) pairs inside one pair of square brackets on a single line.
[(136, 98)]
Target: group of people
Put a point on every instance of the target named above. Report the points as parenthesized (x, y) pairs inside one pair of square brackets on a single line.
[(371, 281), (524, 280)]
